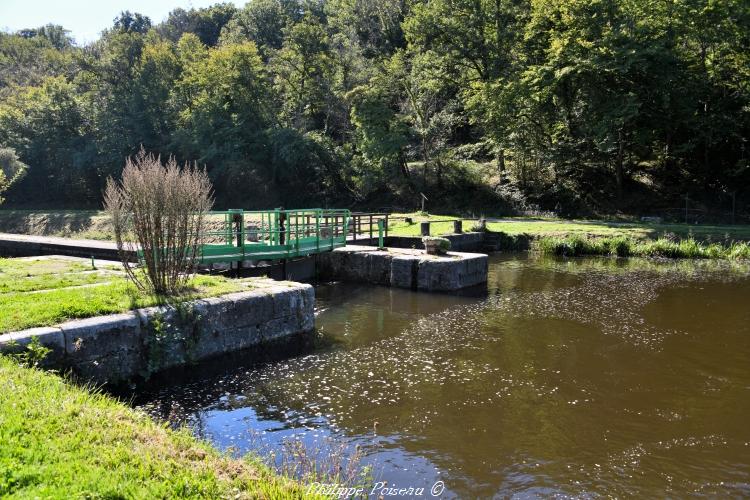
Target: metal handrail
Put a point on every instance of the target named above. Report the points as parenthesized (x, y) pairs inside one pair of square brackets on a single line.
[(275, 234), (371, 223)]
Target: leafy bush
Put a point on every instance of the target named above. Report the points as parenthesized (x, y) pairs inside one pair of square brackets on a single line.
[(160, 210), (32, 355)]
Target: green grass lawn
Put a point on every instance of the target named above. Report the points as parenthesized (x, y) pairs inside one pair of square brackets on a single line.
[(559, 227), (24, 275), (47, 291), (63, 441)]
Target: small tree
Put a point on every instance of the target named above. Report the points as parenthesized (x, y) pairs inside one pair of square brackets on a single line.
[(160, 210), (11, 169)]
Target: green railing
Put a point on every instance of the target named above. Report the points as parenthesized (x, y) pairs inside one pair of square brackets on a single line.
[(237, 235)]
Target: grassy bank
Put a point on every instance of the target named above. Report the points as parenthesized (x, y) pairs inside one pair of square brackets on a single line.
[(624, 239), (63, 441), (623, 246), (539, 227), (47, 291)]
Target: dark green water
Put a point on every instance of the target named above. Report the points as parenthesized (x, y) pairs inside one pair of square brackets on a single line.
[(578, 377)]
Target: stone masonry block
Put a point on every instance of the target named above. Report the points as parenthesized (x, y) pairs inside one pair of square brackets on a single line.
[(94, 337)]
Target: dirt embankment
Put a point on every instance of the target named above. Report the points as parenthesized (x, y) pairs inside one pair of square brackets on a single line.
[(69, 224)]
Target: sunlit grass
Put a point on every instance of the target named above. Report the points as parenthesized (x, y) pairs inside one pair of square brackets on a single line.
[(536, 227), (21, 268), (63, 441), (398, 227), (46, 273), (33, 292)]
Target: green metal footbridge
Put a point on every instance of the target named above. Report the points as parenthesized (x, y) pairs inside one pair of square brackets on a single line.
[(239, 235)]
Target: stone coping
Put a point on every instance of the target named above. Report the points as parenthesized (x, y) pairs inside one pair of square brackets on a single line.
[(406, 268), (117, 347)]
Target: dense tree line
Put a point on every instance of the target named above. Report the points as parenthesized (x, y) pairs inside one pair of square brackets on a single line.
[(582, 105)]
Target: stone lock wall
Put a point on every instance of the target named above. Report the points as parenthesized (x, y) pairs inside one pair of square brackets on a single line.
[(405, 268), (118, 347)]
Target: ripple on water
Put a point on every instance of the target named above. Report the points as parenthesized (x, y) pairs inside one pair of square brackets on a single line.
[(485, 357)]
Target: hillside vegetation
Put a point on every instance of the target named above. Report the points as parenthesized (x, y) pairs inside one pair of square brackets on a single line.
[(577, 106)]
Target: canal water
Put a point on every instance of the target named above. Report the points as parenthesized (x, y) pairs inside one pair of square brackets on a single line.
[(577, 377)]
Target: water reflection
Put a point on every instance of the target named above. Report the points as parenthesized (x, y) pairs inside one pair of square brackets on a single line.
[(584, 377)]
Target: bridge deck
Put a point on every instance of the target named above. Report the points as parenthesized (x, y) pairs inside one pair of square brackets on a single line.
[(239, 235)]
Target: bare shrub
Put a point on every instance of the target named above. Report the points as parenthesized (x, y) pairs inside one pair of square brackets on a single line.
[(159, 209)]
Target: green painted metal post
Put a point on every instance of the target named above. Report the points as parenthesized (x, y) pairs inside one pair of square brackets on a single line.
[(283, 225), (381, 245), (228, 228), (317, 230), (296, 231), (238, 220), (276, 227)]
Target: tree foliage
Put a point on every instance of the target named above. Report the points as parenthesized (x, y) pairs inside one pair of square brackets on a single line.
[(584, 105)]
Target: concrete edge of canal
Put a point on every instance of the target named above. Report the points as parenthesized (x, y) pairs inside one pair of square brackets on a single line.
[(118, 347), (405, 268)]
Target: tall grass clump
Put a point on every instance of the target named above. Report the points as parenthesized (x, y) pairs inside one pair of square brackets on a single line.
[(570, 246), (623, 246), (661, 247), (739, 250), (160, 210)]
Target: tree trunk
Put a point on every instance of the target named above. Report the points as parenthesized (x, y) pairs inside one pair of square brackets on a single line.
[(619, 171), (425, 160), (405, 170), (500, 165)]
